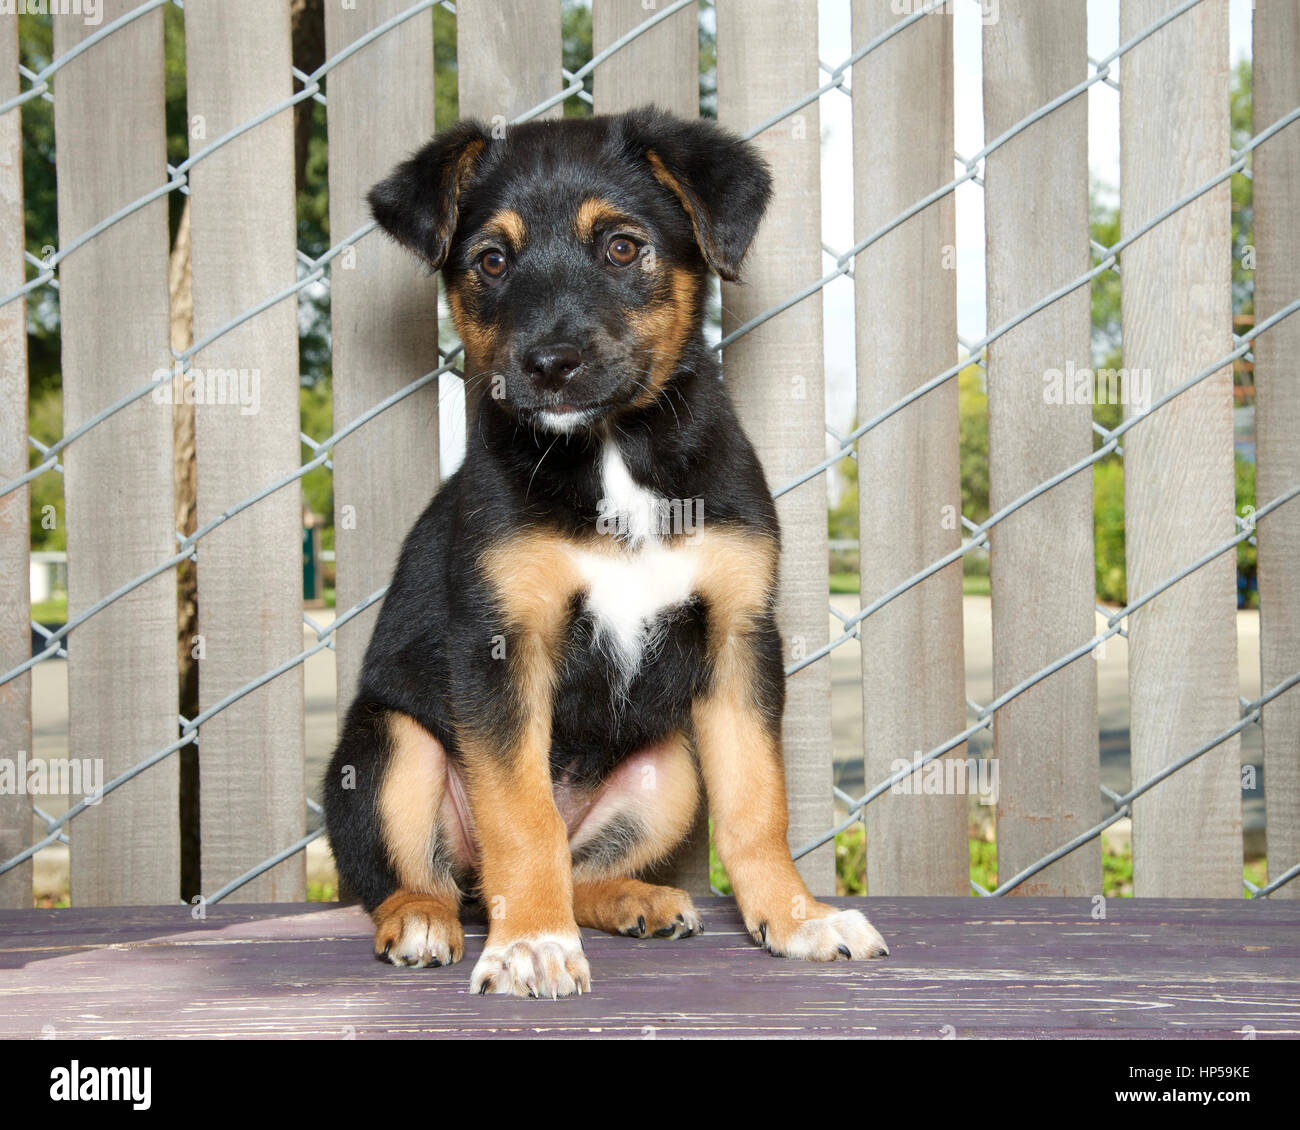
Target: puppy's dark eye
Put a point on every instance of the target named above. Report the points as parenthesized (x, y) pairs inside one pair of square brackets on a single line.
[(622, 251), (492, 264)]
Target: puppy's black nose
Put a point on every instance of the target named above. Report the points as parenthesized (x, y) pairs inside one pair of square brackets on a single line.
[(551, 365)]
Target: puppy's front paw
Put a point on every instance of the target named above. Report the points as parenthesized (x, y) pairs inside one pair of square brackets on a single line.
[(551, 966), (833, 935), (414, 929)]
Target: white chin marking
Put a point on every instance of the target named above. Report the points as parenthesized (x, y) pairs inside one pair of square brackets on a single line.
[(563, 421)]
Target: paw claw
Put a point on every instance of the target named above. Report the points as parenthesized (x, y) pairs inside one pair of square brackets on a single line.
[(834, 934)]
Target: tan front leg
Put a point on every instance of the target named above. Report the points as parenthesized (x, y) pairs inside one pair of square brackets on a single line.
[(526, 880), (739, 747)]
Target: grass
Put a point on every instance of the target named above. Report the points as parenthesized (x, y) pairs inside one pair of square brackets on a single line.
[(53, 611)]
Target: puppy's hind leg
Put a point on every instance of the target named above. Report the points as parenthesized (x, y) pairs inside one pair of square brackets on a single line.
[(384, 794), (643, 812), (419, 924)]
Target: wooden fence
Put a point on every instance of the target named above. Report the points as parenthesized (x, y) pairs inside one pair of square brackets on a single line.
[(377, 82)]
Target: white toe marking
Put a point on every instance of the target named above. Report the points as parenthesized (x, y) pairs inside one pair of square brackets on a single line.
[(821, 939), (547, 965)]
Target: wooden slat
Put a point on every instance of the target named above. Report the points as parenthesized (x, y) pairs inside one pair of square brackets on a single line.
[(508, 56), (767, 57), (1030, 967), (1178, 475), (1277, 420), (913, 682), (660, 66), (15, 611), (383, 314), (1043, 579), (250, 569), (118, 480)]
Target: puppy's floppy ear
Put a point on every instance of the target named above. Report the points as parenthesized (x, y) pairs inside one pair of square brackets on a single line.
[(720, 180), (417, 203)]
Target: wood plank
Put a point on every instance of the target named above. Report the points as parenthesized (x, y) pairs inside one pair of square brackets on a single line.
[(909, 482), (383, 314), (1043, 576), (1029, 967), (660, 66), (250, 568), (113, 303), (767, 58), (15, 537), (1277, 420), (508, 58), (1178, 466)]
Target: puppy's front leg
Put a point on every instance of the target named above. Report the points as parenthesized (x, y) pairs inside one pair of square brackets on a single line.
[(533, 946), (737, 733), (525, 865)]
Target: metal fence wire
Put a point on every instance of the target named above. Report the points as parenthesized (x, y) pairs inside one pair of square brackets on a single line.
[(315, 270)]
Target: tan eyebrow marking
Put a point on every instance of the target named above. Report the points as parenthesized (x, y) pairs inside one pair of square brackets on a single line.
[(510, 225), (594, 212)]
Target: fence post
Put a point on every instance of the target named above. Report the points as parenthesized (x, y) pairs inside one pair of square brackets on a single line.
[(383, 314), (1277, 421), (1043, 576), (767, 58), (1178, 464), (118, 477), (909, 481), (660, 66), (15, 592), (250, 568)]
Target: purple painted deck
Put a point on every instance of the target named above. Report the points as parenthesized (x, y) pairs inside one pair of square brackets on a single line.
[(964, 967)]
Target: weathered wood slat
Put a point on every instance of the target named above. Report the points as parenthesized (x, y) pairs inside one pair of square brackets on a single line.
[(383, 314), (767, 57), (662, 65), (1178, 464), (1277, 420), (1042, 557), (909, 483), (15, 609), (509, 54), (118, 483), (959, 966), (250, 568)]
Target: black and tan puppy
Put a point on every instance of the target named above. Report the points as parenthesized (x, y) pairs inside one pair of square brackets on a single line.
[(580, 626)]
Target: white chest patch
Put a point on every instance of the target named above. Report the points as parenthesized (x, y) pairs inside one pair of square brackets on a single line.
[(628, 589)]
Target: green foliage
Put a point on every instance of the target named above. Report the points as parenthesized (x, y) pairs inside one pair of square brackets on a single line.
[(983, 863), (973, 425), (316, 412), (1108, 528)]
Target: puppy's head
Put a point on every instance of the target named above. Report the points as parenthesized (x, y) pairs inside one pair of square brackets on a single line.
[(575, 253)]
